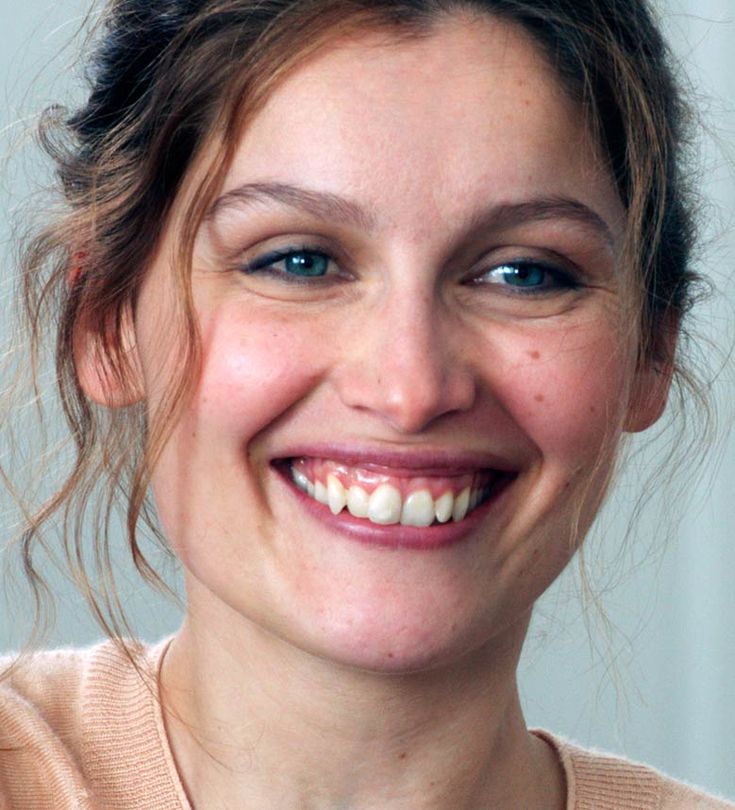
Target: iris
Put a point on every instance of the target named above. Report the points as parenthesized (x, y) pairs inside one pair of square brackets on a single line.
[(305, 263), (523, 275)]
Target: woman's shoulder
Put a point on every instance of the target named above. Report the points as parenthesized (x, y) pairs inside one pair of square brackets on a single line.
[(56, 684), (47, 681), (40, 731), (596, 779), (72, 721)]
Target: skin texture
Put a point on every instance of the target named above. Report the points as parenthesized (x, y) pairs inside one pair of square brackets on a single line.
[(322, 672)]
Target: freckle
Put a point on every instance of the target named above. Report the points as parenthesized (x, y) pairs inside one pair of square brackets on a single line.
[(534, 355), (539, 397), (593, 409), (526, 102), (403, 755), (390, 655)]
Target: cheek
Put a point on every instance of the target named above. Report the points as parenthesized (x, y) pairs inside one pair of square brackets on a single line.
[(254, 369), (568, 392)]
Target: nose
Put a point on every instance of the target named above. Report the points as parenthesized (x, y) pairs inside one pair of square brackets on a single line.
[(404, 364)]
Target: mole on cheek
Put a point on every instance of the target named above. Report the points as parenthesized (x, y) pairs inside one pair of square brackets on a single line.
[(534, 355), (539, 397)]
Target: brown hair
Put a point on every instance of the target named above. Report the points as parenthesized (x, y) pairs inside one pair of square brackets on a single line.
[(168, 78)]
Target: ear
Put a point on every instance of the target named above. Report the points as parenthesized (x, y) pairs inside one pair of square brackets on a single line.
[(649, 397), (108, 383), (652, 383)]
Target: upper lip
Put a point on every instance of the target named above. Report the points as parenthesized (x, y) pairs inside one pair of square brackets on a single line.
[(414, 461)]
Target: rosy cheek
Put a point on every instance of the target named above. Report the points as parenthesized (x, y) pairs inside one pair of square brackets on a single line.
[(254, 369), (569, 391)]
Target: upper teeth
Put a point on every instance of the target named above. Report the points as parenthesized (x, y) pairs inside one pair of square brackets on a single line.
[(386, 506)]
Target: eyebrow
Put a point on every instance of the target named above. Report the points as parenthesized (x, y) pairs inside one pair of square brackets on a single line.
[(341, 210), (506, 215), (318, 204)]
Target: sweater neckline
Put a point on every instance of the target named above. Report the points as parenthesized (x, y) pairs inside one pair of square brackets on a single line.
[(157, 655), (126, 752), (128, 701)]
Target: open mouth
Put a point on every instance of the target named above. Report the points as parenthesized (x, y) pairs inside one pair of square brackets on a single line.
[(387, 498)]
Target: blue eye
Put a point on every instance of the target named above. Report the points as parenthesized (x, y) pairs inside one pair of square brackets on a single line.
[(302, 263), (528, 275), (305, 263)]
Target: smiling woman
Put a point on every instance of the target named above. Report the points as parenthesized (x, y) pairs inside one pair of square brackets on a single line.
[(364, 296)]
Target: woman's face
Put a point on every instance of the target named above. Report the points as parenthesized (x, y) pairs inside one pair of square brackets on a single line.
[(407, 289)]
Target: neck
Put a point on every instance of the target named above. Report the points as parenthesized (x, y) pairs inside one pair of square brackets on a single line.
[(254, 720)]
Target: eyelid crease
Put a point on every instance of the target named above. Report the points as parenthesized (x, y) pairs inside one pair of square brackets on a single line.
[(559, 274)]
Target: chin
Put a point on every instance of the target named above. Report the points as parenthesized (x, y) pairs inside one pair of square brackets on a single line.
[(403, 639)]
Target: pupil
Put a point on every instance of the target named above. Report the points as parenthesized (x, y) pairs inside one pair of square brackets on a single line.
[(526, 276), (306, 264)]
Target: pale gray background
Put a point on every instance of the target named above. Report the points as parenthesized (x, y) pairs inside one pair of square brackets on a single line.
[(662, 687)]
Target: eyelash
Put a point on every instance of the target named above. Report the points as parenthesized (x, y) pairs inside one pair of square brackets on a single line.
[(266, 265), (561, 279)]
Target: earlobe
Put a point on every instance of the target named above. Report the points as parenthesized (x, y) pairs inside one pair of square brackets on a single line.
[(653, 377), (112, 382), (649, 395)]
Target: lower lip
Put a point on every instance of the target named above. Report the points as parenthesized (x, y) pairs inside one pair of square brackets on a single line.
[(397, 536)]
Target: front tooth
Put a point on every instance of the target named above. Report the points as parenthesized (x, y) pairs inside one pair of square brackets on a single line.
[(320, 493), (385, 505), (336, 494), (444, 507), (310, 489), (461, 504), (358, 501), (418, 509)]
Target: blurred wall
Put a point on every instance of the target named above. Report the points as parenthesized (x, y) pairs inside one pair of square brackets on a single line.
[(652, 676)]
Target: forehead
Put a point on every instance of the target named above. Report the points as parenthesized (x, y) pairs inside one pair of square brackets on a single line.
[(421, 130)]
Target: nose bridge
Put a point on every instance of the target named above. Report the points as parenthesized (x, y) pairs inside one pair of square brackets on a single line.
[(412, 332), (405, 368)]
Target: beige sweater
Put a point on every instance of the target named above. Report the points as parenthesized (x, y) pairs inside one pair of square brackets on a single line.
[(83, 729)]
